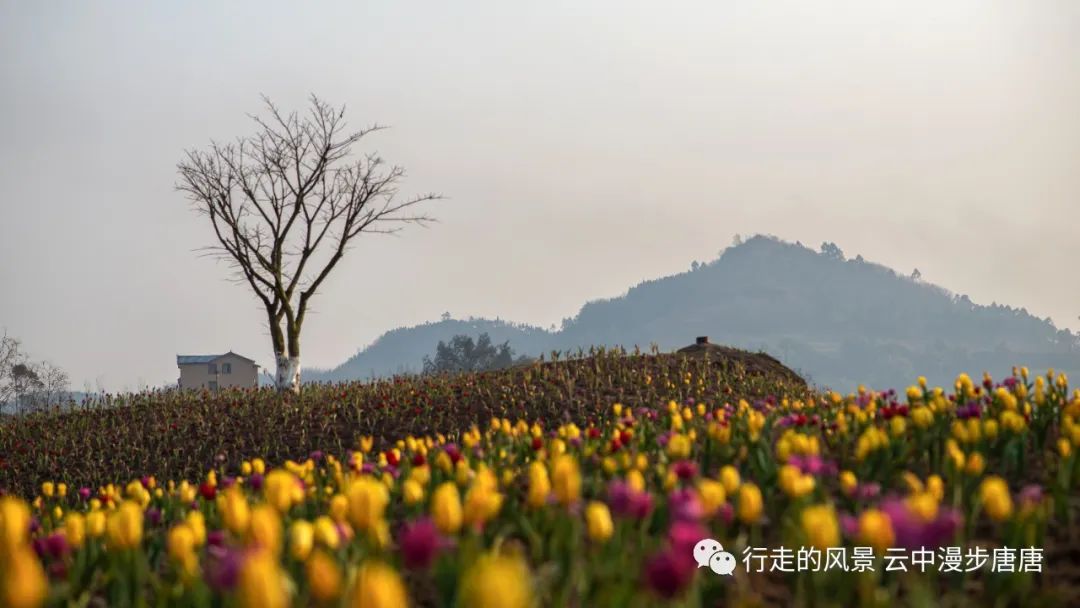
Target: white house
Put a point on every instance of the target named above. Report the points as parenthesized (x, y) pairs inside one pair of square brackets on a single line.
[(215, 372)]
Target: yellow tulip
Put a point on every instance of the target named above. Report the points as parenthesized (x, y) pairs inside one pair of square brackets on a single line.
[(749, 503), (235, 512), (75, 529), (820, 526), (265, 531), (95, 524), (501, 581), (995, 497), (180, 544), (729, 476), (462, 474), (539, 485), (912, 481), (339, 508), (566, 480), (125, 526), (301, 539), (598, 521), (282, 490), (712, 495), (875, 529), (180, 541), (421, 474), (482, 501), (324, 577), (197, 523), (412, 492), (187, 492), (378, 586), (936, 487), (924, 505), (446, 508), (368, 499), (848, 482), (24, 582), (14, 524), (262, 583), (678, 446), (975, 464)]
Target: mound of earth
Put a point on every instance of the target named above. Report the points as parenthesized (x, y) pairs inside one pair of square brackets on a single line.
[(757, 364)]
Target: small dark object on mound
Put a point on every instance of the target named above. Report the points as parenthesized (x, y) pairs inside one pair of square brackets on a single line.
[(754, 363)]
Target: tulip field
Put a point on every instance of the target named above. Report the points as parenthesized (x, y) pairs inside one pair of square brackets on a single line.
[(582, 482)]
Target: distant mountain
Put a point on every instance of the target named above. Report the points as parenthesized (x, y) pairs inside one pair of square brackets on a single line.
[(838, 321)]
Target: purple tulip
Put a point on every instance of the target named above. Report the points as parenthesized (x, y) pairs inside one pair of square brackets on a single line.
[(849, 525), (663, 438), (56, 545), (667, 574), (726, 513), (419, 543), (627, 502), (684, 535), (223, 567), (912, 533), (685, 506), (868, 491), (216, 538), (814, 465), (1031, 494), (685, 469)]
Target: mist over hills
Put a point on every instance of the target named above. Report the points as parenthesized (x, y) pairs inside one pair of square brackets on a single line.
[(837, 321)]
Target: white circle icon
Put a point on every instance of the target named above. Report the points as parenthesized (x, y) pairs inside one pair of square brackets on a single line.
[(709, 552)]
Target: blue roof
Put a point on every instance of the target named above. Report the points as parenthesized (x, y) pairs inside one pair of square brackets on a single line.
[(199, 359), (193, 359)]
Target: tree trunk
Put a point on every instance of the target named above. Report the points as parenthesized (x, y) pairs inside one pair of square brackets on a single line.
[(287, 379)]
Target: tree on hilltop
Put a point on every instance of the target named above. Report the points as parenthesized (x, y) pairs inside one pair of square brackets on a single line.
[(462, 354)]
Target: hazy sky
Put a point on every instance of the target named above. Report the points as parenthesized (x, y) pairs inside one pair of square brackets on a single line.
[(584, 146)]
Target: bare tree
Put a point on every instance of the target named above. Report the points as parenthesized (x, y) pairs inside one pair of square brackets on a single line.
[(26, 383), (10, 356), (286, 203), (55, 385)]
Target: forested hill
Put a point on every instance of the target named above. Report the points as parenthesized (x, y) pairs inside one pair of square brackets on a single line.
[(836, 320)]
